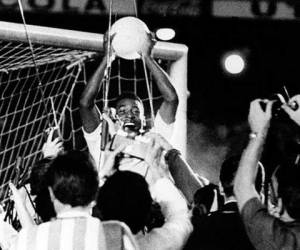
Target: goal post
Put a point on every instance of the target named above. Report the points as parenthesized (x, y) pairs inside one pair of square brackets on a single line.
[(61, 56)]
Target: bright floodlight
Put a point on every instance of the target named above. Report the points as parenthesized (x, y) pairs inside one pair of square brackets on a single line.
[(165, 34), (234, 63)]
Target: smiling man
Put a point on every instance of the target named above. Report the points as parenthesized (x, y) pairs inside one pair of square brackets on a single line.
[(129, 109)]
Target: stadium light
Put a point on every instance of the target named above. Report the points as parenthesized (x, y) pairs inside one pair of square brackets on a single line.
[(165, 34), (233, 62)]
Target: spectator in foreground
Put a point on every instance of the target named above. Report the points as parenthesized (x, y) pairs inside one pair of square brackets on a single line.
[(222, 229), (125, 196), (72, 181), (265, 230)]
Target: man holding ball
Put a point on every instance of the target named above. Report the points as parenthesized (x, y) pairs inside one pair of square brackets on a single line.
[(129, 107)]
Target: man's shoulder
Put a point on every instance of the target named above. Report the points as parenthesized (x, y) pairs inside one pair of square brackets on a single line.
[(219, 219), (251, 207)]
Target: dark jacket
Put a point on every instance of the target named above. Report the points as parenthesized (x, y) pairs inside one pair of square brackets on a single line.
[(220, 230)]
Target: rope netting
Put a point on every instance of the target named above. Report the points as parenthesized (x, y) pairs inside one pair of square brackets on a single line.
[(31, 103), (28, 108)]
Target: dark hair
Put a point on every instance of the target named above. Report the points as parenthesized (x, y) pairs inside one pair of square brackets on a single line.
[(126, 95), (125, 197), (204, 197), (228, 172), (38, 186), (37, 179), (44, 206), (73, 178), (289, 189)]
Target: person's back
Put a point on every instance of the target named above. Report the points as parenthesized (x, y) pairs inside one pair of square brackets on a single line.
[(276, 232), (222, 229), (72, 181), (77, 231)]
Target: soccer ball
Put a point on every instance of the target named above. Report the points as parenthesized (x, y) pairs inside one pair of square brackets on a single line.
[(129, 35)]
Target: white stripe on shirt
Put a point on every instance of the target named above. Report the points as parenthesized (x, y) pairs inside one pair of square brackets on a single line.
[(42, 236), (22, 240), (91, 236), (66, 237)]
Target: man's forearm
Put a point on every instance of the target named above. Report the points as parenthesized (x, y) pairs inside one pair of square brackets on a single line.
[(91, 90), (183, 175), (170, 98), (89, 113), (162, 79), (244, 185)]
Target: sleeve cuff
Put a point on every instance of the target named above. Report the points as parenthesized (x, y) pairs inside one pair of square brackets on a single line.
[(92, 135)]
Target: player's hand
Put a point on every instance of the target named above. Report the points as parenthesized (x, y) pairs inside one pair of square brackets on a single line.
[(19, 197), (155, 158), (109, 166), (160, 140), (52, 147), (146, 49), (109, 115)]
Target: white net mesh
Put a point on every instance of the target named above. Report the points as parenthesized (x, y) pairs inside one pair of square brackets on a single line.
[(28, 108)]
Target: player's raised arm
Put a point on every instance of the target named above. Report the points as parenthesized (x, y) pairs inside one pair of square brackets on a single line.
[(169, 106), (89, 113)]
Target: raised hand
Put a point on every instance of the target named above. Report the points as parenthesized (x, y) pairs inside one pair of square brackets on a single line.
[(155, 158), (23, 213), (52, 147), (108, 168), (148, 45), (159, 139), (113, 124), (259, 119)]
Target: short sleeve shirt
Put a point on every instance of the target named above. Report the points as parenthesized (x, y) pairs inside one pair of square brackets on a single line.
[(93, 141), (268, 232)]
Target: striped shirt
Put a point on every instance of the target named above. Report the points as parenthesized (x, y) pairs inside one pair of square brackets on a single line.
[(70, 231)]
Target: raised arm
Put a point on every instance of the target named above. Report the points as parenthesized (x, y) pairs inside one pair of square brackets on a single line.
[(184, 177), (259, 121), (169, 106), (89, 113), (174, 233), (22, 211)]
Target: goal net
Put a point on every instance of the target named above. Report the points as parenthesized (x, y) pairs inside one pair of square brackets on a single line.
[(36, 94)]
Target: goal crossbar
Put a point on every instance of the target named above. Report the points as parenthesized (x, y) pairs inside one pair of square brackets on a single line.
[(77, 39)]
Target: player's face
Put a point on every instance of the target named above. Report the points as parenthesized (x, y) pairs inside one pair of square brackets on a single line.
[(130, 111)]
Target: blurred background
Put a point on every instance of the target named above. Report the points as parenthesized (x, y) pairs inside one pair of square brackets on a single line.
[(260, 36)]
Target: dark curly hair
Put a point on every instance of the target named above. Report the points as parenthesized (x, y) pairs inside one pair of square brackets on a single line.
[(125, 196)]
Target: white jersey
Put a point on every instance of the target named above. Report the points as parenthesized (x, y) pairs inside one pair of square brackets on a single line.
[(93, 141)]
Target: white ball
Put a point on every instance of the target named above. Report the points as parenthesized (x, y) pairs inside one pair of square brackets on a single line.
[(130, 36)]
